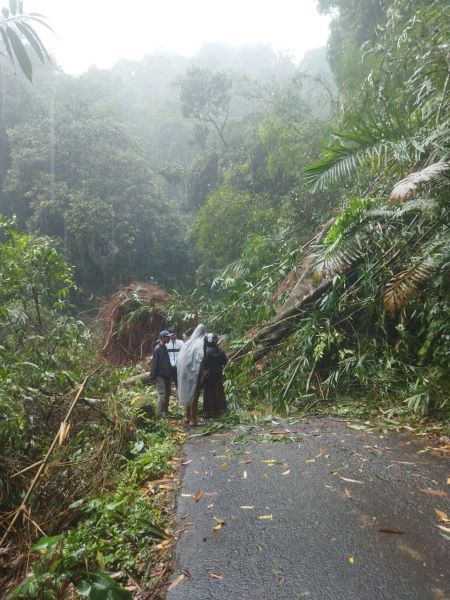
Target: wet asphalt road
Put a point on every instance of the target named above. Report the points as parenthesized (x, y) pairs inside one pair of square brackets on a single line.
[(320, 535)]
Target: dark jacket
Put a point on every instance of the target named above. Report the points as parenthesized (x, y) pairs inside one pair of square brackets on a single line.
[(213, 362), (160, 362)]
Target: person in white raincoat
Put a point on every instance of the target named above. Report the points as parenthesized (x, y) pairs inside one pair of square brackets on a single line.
[(189, 360)]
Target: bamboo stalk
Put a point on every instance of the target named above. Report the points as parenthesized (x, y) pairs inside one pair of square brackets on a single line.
[(22, 507), (36, 464)]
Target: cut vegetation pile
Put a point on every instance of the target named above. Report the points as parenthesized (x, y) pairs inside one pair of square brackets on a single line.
[(131, 321)]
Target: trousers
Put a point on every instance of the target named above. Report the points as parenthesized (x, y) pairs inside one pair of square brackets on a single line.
[(163, 391)]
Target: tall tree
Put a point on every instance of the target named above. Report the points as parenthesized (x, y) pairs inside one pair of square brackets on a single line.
[(205, 97)]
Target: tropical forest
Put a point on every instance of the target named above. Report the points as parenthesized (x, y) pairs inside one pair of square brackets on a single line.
[(297, 209)]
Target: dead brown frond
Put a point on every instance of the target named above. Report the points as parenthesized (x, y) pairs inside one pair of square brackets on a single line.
[(404, 287), (404, 188)]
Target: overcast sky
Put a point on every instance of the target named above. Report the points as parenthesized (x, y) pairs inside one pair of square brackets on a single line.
[(101, 32)]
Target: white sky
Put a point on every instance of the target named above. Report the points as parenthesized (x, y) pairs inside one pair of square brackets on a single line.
[(101, 32)]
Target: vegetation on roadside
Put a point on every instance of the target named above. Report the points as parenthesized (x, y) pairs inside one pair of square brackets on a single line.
[(232, 177)]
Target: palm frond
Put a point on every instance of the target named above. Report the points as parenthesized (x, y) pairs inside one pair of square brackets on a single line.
[(339, 256), (422, 205), (404, 287), (404, 188), (355, 154)]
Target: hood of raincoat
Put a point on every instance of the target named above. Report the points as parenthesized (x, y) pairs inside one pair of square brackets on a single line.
[(188, 365)]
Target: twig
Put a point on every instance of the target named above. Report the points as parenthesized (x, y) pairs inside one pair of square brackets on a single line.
[(36, 464), (63, 427)]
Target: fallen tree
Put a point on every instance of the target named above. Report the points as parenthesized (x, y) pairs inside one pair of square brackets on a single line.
[(131, 321), (307, 290)]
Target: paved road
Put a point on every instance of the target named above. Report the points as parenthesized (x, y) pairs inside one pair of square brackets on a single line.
[(313, 534)]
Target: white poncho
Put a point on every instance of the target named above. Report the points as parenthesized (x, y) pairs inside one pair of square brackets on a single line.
[(188, 366)]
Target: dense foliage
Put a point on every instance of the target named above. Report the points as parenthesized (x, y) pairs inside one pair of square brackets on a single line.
[(375, 329), (240, 177)]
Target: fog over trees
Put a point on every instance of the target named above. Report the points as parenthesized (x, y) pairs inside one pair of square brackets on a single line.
[(299, 210)]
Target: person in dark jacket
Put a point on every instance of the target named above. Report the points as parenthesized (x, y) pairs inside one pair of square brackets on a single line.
[(214, 401), (161, 373)]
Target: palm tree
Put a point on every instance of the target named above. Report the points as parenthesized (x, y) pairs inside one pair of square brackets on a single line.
[(17, 29)]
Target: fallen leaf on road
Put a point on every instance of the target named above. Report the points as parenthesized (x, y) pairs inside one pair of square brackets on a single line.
[(224, 466), (286, 472), (448, 480), (218, 527), (245, 475), (266, 518), (310, 460), (347, 493), (351, 560), (433, 492), (186, 573), (198, 495), (351, 480), (412, 552), (247, 507), (339, 470), (356, 426), (446, 529), (438, 594), (187, 495), (186, 462), (176, 582), (442, 517), (387, 530), (215, 576), (260, 548), (266, 476), (270, 463), (210, 505)]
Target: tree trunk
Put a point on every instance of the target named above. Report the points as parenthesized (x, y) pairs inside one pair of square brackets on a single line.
[(5, 158), (304, 294)]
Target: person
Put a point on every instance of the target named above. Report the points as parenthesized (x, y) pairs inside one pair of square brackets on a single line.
[(214, 401), (188, 366), (160, 373), (173, 348)]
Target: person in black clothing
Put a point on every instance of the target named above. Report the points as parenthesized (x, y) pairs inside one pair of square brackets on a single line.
[(214, 401), (161, 373)]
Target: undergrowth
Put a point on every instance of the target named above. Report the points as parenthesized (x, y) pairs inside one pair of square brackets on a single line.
[(116, 532)]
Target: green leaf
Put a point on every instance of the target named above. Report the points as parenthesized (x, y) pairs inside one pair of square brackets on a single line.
[(38, 18), (76, 504), (99, 586), (46, 543), (34, 43), (20, 53), (7, 44), (156, 531), (84, 589)]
